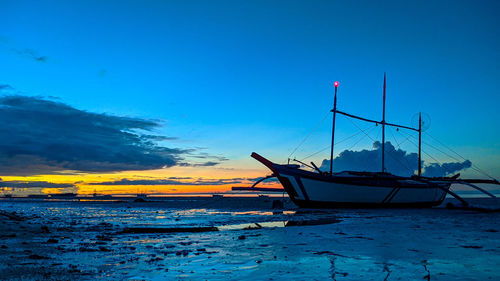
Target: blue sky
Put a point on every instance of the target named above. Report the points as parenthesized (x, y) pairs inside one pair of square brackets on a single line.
[(242, 76)]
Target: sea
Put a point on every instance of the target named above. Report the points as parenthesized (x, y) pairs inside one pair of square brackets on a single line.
[(243, 238)]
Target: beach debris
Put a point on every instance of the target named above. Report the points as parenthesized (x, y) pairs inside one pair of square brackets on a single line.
[(428, 275), (386, 269)]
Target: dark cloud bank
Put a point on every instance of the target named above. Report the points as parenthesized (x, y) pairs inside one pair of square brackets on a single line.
[(34, 184), (41, 136), (397, 162), (177, 181)]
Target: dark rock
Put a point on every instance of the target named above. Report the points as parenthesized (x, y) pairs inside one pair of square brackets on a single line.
[(52, 241), (3, 247), (37, 257), (104, 249), (85, 249), (104, 238), (45, 229), (242, 237), (183, 252), (156, 259), (472, 247)]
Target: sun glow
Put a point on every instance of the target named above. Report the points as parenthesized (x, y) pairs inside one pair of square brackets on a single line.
[(184, 180)]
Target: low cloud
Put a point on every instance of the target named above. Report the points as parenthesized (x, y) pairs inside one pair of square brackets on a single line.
[(204, 164), (397, 161), (47, 137), (34, 184), (177, 181), (436, 170), (4, 87)]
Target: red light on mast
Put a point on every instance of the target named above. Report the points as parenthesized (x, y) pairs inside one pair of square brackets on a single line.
[(336, 84)]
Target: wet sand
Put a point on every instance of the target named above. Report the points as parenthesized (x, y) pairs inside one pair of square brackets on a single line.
[(243, 239)]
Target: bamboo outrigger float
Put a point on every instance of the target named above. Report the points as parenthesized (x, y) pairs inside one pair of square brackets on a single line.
[(321, 189)]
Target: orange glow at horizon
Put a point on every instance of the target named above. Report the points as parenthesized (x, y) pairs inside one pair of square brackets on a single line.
[(87, 183)]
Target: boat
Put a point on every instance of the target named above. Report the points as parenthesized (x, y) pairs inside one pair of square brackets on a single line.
[(328, 189)]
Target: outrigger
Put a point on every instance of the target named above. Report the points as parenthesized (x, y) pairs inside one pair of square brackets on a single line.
[(321, 189)]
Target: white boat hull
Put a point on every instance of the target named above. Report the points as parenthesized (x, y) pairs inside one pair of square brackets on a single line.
[(310, 192), (353, 189)]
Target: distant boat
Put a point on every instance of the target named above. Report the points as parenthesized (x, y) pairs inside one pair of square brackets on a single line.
[(321, 189)]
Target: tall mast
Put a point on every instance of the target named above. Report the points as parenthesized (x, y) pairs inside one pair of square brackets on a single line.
[(419, 144), (336, 84), (383, 131)]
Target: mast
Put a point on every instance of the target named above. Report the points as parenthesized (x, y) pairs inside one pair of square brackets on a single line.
[(419, 144), (383, 131), (336, 84)]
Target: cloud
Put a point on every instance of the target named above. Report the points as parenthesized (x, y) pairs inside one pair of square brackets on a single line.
[(42, 137), (5, 87), (397, 161), (30, 53), (436, 170), (34, 184), (25, 52), (204, 164), (177, 181)]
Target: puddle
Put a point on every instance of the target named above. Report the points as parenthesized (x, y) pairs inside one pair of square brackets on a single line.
[(243, 226)]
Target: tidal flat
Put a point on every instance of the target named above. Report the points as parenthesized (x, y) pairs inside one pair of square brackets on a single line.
[(231, 238)]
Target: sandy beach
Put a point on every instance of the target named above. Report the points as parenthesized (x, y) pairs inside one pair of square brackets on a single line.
[(225, 238)]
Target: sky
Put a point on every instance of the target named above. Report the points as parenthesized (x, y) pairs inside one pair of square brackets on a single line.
[(181, 92)]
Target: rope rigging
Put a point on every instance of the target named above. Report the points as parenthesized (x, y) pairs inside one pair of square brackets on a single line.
[(399, 145), (473, 166), (347, 138), (309, 134), (408, 137)]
